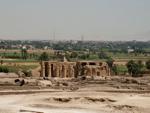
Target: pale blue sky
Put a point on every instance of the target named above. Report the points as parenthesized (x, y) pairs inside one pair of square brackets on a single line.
[(69, 19)]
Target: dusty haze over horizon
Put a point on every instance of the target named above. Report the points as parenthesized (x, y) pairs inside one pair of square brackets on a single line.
[(75, 19)]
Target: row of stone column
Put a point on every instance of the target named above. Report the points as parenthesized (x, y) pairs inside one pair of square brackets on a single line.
[(62, 70), (67, 69)]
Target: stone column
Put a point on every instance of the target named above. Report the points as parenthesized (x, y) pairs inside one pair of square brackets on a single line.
[(49, 69), (107, 70), (62, 71), (71, 71), (90, 72), (57, 70), (65, 73), (42, 69)]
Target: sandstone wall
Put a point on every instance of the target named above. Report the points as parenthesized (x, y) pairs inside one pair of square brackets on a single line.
[(73, 69)]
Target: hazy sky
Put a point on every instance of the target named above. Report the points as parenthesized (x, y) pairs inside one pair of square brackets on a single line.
[(69, 19)]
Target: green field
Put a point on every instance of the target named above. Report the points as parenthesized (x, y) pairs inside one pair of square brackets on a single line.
[(15, 69)]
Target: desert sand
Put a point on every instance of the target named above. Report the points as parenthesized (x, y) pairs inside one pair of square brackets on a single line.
[(104, 96)]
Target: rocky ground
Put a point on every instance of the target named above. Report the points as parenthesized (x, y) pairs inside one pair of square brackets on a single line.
[(105, 95)]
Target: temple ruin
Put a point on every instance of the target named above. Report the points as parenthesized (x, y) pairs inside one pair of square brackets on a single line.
[(74, 69)]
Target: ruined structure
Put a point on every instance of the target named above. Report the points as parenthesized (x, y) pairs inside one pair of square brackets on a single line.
[(73, 69), (88, 68)]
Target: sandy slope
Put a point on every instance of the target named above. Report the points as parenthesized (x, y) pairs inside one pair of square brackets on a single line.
[(75, 102), (115, 95)]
